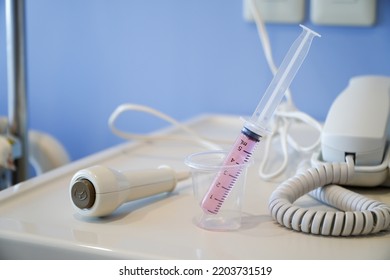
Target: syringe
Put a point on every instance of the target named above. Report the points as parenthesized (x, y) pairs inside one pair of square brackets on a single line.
[(257, 126)]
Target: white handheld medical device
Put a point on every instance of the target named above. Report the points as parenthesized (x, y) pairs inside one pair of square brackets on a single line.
[(354, 152), (98, 191)]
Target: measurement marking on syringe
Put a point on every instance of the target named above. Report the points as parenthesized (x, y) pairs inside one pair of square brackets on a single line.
[(229, 174)]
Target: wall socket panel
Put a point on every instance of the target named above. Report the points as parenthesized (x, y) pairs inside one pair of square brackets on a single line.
[(343, 12), (276, 11), (322, 12)]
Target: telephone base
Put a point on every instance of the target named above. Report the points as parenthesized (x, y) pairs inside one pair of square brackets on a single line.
[(365, 176)]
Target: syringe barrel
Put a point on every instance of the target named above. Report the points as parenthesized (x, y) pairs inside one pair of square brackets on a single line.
[(274, 94), (239, 156)]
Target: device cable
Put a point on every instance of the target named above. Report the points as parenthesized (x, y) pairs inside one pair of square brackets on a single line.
[(195, 137), (359, 215)]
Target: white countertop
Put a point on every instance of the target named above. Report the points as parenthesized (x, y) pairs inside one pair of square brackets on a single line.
[(37, 219)]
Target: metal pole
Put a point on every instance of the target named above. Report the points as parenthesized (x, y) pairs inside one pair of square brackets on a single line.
[(17, 98)]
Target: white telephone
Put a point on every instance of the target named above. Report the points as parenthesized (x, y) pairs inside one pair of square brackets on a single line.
[(358, 124), (355, 152)]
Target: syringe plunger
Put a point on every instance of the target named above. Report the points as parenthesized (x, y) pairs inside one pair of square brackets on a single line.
[(274, 94)]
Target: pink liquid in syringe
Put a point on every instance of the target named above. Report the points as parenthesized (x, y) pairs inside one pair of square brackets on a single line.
[(240, 154)]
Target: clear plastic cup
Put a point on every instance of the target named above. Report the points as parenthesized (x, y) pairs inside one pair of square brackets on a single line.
[(204, 168)]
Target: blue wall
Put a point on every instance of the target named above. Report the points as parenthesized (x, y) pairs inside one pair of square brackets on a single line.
[(85, 57)]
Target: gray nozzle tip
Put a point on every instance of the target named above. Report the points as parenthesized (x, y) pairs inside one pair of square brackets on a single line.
[(83, 194)]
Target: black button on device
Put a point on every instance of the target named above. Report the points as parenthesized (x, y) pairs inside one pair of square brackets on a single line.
[(83, 194)]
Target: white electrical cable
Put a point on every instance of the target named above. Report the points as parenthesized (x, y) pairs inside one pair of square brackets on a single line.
[(265, 42), (359, 215), (194, 137)]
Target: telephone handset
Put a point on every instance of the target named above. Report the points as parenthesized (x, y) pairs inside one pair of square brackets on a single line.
[(355, 152), (358, 124)]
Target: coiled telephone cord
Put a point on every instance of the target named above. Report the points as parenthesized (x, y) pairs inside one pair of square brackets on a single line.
[(359, 216)]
